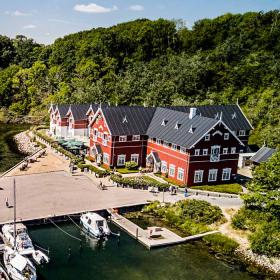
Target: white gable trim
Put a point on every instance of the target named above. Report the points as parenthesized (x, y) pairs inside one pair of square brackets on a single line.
[(207, 132), (244, 116), (95, 116), (217, 132), (89, 110)]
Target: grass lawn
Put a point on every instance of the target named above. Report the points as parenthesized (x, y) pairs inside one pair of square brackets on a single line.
[(227, 188), (126, 171), (169, 180)]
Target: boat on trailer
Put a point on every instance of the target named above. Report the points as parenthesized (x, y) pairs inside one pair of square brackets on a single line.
[(18, 267), (95, 225)]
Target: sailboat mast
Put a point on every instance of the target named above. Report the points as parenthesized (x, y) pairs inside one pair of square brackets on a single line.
[(15, 215)]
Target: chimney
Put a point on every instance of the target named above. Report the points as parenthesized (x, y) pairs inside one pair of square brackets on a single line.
[(192, 113)]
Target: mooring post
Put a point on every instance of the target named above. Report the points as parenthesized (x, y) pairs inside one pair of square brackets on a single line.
[(137, 233)]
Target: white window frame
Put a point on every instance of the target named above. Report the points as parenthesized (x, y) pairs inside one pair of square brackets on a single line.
[(205, 152), (214, 173), (225, 151), (174, 147), (242, 133), (180, 174), (121, 160), (198, 176), (165, 144), (171, 170), (207, 137), (163, 167), (158, 141), (105, 158), (212, 155), (135, 137), (226, 136), (135, 156), (233, 150), (183, 150), (197, 152), (123, 138), (226, 174)]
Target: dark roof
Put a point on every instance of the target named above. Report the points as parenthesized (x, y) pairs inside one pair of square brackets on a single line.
[(232, 115), (262, 155), (63, 109), (79, 111), (181, 136), (128, 120)]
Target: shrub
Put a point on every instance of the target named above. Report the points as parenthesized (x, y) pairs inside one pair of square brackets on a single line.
[(226, 188), (131, 165), (221, 243)]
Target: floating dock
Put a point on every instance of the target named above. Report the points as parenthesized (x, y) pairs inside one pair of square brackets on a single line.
[(167, 238)]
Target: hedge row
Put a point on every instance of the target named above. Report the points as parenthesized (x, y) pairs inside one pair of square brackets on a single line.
[(97, 171), (138, 182)]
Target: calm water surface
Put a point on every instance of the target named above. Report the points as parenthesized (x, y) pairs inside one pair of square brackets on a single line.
[(128, 261), (9, 154)]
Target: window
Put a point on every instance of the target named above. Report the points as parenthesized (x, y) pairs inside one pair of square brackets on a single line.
[(122, 138), (135, 137), (174, 147), (121, 160), (226, 136), (163, 167), (172, 170), (212, 175), (233, 150), (165, 144), (225, 151), (105, 158), (226, 174), (99, 134), (180, 175), (242, 132), (205, 152), (207, 137), (134, 157), (234, 132), (215, 153), (198, 176), (158, 141), (196, 152), (183, 149)]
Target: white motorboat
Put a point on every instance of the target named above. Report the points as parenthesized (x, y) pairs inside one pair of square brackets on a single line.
[(39, 257), (23, 242), (18, 267), (95, 225), (3, 274)]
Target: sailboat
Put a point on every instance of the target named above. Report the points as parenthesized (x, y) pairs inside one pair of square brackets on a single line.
[(18, 267)]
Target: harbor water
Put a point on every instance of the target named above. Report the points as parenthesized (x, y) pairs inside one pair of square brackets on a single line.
[(126, 259)]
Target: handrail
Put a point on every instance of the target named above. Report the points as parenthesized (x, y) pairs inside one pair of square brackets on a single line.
[(15, 166)]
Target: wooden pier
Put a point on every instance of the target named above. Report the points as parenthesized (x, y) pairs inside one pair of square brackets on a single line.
[(167, 238)]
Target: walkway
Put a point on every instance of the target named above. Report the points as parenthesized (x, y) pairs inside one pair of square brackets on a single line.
[(167, 237)]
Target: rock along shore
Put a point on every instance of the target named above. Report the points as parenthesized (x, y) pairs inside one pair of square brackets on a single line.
[(24, 143)]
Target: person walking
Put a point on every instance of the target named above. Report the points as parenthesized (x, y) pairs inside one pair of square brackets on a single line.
[(186, 192), (7, 202)]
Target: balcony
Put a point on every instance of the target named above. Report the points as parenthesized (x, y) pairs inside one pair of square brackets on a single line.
[(215, 158)]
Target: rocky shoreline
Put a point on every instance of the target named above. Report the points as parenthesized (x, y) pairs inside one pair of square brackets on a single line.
[(24, 143)]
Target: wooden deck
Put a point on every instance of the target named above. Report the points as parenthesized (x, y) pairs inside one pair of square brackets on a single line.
[(167, 238)]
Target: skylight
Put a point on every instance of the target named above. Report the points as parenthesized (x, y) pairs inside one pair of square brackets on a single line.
[(177, 125), (164, 122)]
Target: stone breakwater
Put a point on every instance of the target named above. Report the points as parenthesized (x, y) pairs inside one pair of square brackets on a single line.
[(24, 143), (262, 261)]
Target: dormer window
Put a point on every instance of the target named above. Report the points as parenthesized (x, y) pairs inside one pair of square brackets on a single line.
[(174, 147), (164, 122), (158, 141), (177, 125), (122, 138), (191, 129), (165, 144), (242, 132), (207, 137), (216, 116), (135, 137)]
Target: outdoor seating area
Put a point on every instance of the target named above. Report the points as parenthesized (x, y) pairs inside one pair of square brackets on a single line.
[(72, 145), (32, 159)]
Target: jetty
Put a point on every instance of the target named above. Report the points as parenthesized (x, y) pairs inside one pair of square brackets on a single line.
[(167, 237)]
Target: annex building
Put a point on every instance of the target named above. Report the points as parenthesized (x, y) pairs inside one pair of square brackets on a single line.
[(191, 145)]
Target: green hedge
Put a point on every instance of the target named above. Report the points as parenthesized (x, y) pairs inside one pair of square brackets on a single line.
[(226, 188), (99, 172), (140, 182)]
